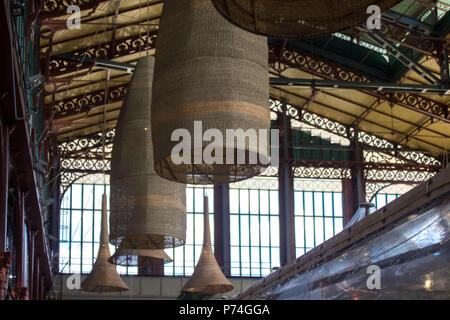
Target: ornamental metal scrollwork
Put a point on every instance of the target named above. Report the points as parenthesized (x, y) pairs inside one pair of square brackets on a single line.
[(85, 102), (83, 156), (282, 59), (122, 47)]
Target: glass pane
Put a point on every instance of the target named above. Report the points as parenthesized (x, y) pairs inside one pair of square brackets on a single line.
[(329, 232), (189, 255), (275, 257), (243, 201), (189, 199), (308, 203), (88, 196), (318, 205), (319, 231), (299, 232), (328, 204), (76, 196), (274, 202), (338, 225), (198, 237), (337, 204), (309, 231), (245, 241), (264, 202), (274, 231), (198, 193), (254, 202), (76, 225), (234, 230), (99, 191), (265, 231), (298, 203), (254, 230), (234, 201), (189, 228), (87, 226)]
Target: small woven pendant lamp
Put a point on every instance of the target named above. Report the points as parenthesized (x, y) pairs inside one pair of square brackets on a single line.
[(207, 277), (136, 257), (210, 71), (147, 212), (103, 276), (298, 19)]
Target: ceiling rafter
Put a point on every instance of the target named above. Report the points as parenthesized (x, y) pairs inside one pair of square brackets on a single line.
[(372, 108), (59, 66), (282, 59), (336, 110), (57, 8)]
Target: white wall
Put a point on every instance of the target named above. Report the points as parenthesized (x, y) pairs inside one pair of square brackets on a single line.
[(141, 287)]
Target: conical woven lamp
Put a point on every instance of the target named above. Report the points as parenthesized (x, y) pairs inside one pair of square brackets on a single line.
[(147, 211), (298, 19), (136, 257), (103, 276), (210, 71), (207, 277)]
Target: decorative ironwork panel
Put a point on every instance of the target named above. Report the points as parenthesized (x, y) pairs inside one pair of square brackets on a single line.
[(54, 8), (402, 176), (107, 50), (383, 147), (310, 118), (83, 156), (321, 172), (85, 102), (282, 59)]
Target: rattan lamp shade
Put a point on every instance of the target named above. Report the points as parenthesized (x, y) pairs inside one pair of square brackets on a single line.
[(103, 276), (147, 212), (207, 277), (297, 19), (211, 71), (135, 257)]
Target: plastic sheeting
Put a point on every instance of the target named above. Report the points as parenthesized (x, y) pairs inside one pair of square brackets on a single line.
[(413, 259), (360, 214)]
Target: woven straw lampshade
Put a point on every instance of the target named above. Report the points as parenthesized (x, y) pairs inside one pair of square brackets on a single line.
[(142, 258), (207, 277), (103, 276), (147, 212), (298, 19), (211, 71)]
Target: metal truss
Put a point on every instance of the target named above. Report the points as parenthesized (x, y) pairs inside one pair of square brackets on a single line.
[(83, 103), (63, 64), (377, 86), (368, 141), (55, 8), (83, 156), (281, 59), (403, 58)]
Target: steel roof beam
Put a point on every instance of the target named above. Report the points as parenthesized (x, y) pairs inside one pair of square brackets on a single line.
[(356, 85), (403, 58), (283, 59)]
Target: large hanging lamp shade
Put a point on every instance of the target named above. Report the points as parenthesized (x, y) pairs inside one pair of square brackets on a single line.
[(147, 212), (207, 277), (136, 257), (298, 19), (103, 276), (213, 73)]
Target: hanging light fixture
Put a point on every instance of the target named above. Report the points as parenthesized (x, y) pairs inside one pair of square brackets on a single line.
[(210, 77), (301, 18), (147, 212), (142, 258), (103, 276), (207, 277)]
